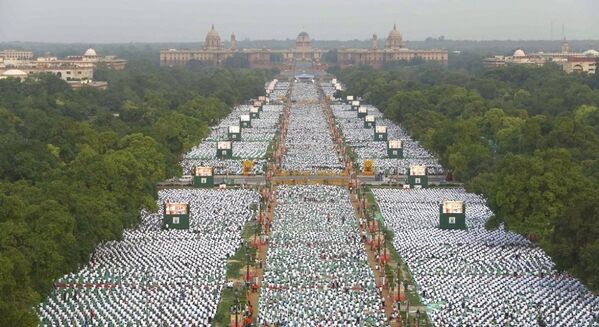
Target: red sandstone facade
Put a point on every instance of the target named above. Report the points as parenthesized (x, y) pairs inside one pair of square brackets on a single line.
[(214, 53)]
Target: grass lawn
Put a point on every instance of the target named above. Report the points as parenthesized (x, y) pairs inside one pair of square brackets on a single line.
[(412, 295), (235, 264)]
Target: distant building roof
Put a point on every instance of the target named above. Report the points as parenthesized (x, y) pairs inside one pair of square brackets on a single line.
[(90, 53), (14, 73), (519, 53), (591, 53), (304, 76)]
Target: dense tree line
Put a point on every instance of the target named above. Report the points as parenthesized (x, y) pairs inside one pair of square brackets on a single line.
[(525, 137), (76, 166)]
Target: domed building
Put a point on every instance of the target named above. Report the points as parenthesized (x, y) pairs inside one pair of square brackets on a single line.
[(90, 54), (213, 40), (571, 62), (303, 52), (77, 71), (394, 51), (302, 55), (14, 73), (89, 59), (519, 53), (394, 40), (303, 40), (591, 53), (215, 53)]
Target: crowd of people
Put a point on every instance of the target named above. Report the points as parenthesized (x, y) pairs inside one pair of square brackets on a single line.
[(280, 92), (156, 277), (362, 141), (309, 146), (316, 269), (254, 143), (328, 89), (317, 272), (479, 277)]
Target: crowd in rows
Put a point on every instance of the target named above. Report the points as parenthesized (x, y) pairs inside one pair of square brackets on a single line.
[(254, 143), (309, 146), (317, 272), (156, 277), (362, 141), (479, 277), (280, 92), (328, 89)]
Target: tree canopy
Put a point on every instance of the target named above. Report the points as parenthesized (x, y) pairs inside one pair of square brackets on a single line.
[(525, 137), (76, 166)]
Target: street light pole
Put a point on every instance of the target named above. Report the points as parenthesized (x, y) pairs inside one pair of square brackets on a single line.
[(407, 309), (385, 248), (237, 308), (398, 280), (247, 264), (408, 313), (399, 310)]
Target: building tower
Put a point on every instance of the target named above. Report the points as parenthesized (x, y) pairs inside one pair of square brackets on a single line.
[(303, 41), (212, 40), (233, 42), (375, 42), (394, 40), (565, 44), (90, 55)]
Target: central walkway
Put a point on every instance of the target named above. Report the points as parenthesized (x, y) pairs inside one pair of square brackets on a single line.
[(309, 148), (317, 272), (317, 269)]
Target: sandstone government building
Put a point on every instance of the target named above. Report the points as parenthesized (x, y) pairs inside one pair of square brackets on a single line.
[(214, 53)]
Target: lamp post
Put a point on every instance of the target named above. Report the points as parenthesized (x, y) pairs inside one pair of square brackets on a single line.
[(399, 310), (146, 283), (235, 307), (260, 210), (407, 311), (405, 289), (385, 248), (398, 281), (247, 264)]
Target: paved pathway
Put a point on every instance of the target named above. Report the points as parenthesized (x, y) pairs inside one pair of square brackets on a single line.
[(274, 176)]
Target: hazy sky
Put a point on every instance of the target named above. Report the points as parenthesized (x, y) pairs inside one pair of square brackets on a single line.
[(189, 20)]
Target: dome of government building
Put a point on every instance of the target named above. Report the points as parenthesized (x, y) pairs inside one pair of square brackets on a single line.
[(212, 33), (394, 40), (90, 53), (212, 39), (519, 53), (303, 40), (14, 73), (591, 53)]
